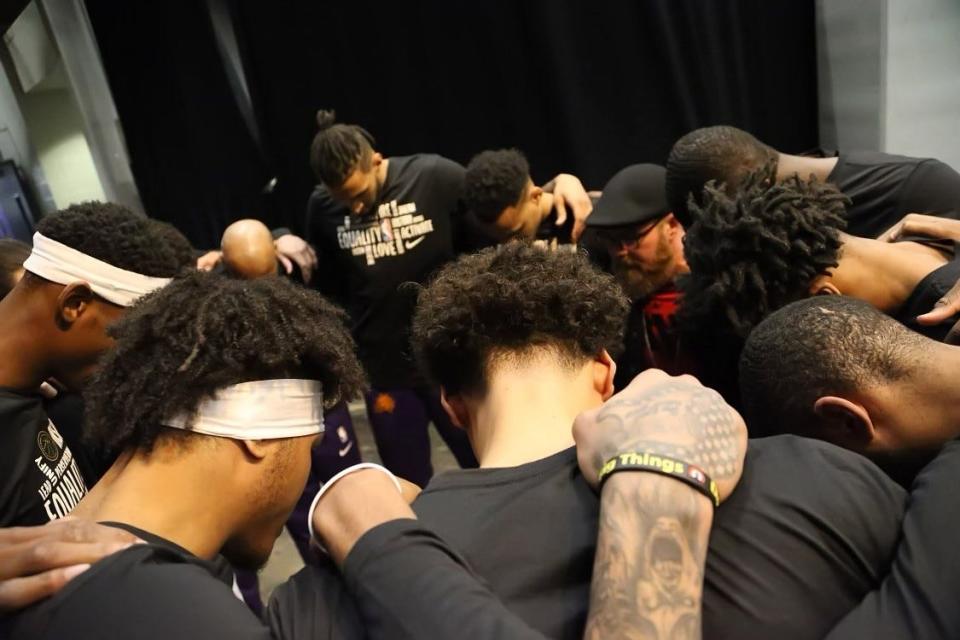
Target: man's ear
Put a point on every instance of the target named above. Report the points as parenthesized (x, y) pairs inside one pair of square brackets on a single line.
[(74, 300), (848, 423), (675, 230), (604, 371), (455, 408), (823, 286), (256, 449), (376, 159)]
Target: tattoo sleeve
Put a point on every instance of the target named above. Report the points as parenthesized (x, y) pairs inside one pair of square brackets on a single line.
[(695, 427), (648, 569)]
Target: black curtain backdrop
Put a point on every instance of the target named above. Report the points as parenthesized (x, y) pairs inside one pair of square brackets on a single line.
[(193, 158), (583, 86)]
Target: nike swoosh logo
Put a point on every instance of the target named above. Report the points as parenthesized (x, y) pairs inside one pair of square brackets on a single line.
[(345, 450), (410, 244)]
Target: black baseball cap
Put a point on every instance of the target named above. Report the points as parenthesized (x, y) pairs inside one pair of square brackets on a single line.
[(633, 196)]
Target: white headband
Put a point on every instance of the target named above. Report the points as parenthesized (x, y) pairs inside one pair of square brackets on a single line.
[(59, 263), (261, 410)]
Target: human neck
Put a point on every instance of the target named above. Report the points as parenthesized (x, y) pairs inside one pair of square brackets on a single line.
[(172, 493), (804, 166), (382, 172), (882, 273), (936, 400), (527, 413), (24, 362)]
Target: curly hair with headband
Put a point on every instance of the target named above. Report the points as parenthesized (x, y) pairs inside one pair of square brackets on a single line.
[(205, 331)]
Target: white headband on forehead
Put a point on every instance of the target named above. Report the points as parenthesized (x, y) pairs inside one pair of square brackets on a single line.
[(261, 410), (59, 263)]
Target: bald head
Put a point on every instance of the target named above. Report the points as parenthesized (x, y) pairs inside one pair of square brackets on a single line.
[(248, 250)]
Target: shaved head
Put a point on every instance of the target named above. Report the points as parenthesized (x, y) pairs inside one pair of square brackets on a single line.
[(248, 250), (821, 346)]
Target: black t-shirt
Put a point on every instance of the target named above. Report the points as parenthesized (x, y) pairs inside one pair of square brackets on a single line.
[(400, 582), (66, 410), (810, 530), (40, 479), (399, 573), (885, 187), (365, 260), (156, 591), (925, 295), (530, 532), (919, 597)]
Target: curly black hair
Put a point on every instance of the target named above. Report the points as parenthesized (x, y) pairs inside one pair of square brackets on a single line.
[(722, 153), (205, 331), (338, 149), (494, 181), (510, 299), (757, 250), (13, 254), (185, 253), (114, 234), (825, 345)]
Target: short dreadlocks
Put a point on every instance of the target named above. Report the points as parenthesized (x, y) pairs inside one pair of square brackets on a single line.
[(758, 250)]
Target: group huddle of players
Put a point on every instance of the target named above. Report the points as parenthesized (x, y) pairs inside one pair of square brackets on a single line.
[(595, 360)]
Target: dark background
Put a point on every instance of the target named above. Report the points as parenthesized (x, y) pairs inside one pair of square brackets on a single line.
[(581, 86)]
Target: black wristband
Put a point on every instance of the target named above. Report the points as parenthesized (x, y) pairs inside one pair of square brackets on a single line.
[(664, 465)]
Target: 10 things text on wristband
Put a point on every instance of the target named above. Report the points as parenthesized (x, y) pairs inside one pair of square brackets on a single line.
[(664, 465)]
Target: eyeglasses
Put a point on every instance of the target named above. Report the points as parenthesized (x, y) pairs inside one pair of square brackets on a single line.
[(617, 236)]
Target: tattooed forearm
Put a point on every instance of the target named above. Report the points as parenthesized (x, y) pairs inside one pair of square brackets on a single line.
[(651, 549), (697, 427)]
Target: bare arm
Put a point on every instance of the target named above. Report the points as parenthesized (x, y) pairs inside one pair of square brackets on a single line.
[(568, 191), (918, 224), (358, 503), (651, 550)]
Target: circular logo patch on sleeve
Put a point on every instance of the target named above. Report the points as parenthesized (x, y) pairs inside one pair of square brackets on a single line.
[(47, 446)]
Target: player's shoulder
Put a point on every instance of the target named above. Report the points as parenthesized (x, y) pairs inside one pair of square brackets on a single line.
[(321, 198), (813, 466), (429, 163), (797, 451), (314, 604), (147, 588)]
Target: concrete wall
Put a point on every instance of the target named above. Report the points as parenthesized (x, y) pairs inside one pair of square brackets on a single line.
[(850, 73), (45, 131), (56, 130), (15, 142), (70, 28), (923, 79), (889, 76)]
